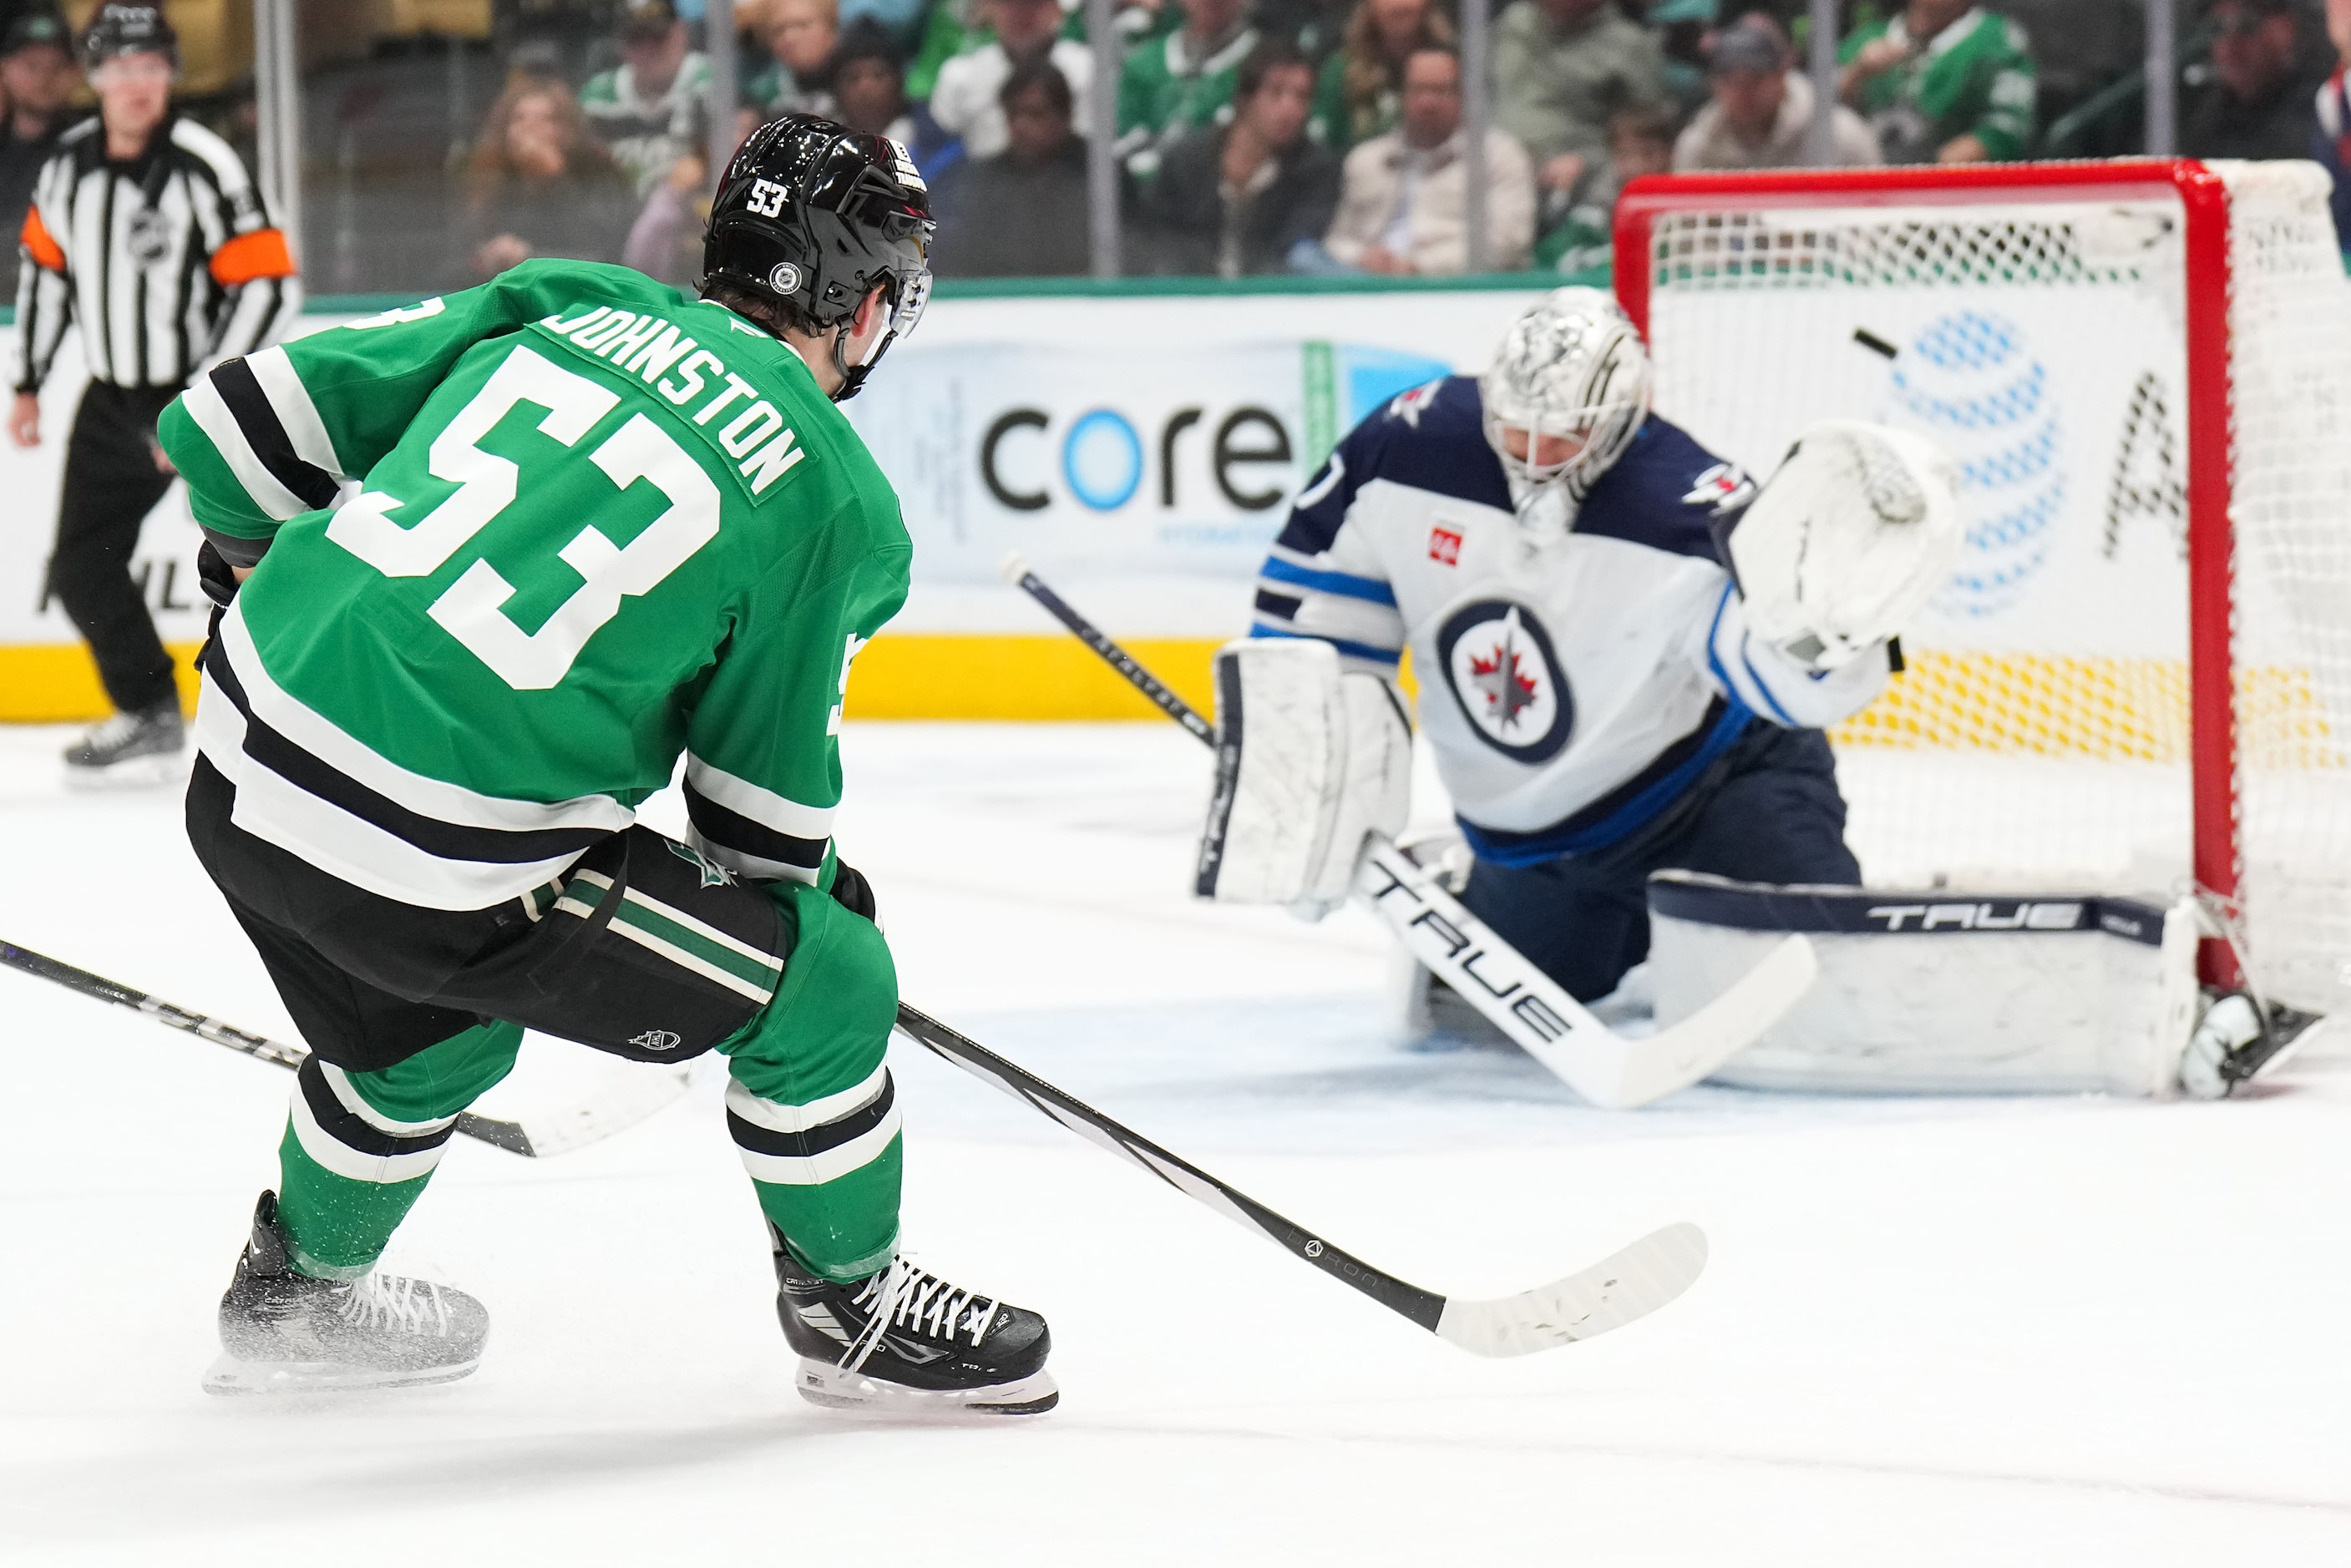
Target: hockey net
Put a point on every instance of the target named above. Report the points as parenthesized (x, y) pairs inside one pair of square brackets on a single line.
[(2138, 680)]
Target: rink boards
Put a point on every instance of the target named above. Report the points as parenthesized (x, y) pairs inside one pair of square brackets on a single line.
[(1139, 445)]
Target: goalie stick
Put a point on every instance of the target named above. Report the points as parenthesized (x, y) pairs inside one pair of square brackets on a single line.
[(624, 1102), (1611, 1292), (1613, 1071)]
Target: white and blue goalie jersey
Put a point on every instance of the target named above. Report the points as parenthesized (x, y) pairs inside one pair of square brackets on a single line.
[(1571, 691)]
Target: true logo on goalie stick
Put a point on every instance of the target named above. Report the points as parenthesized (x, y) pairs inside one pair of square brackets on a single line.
[(1498, 661), (2024, 915)]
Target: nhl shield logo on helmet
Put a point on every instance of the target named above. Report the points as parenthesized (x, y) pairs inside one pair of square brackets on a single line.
[(1498, 661)]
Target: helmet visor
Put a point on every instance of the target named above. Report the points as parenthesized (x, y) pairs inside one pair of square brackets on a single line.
[(913, 297)]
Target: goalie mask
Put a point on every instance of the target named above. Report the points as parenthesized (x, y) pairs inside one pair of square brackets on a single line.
[(1571, 367)]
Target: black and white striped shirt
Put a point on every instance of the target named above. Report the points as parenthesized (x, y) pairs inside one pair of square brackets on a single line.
[(171, 262)]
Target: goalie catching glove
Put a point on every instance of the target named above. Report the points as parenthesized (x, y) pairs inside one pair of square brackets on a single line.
[(1843, 546), (1310, 763)]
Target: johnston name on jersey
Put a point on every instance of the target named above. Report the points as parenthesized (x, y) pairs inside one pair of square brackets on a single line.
[(1571, 690), (595, 523)]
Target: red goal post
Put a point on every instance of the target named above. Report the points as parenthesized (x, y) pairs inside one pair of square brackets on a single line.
[(2088, 318)]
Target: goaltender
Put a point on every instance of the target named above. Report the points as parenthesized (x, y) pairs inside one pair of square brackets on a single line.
[(598, 524)]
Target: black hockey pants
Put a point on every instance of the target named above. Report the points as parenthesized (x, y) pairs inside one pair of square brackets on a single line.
[(112, 483), (1768, 811)]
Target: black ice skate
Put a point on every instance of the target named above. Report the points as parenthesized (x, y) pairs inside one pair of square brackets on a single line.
[(284, 1333), (139, 748), (905, 1342)]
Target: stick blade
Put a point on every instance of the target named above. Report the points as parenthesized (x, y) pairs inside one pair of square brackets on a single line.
[(1692, 1050), (1616, 1291), (626, 1098)]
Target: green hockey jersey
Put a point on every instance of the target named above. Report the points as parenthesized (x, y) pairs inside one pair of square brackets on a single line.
[(596, 524), (1974, 78)]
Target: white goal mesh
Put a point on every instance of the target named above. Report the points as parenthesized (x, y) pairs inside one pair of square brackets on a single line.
[(2041, 331)]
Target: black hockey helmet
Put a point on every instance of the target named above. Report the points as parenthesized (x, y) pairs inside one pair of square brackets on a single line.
[(129, 30), (817, 214)]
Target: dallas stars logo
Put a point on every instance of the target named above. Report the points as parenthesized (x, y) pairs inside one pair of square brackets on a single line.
[(714, 875), (1501, 679)]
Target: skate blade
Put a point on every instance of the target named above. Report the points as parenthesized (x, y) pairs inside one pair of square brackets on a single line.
[(137, 774), (229, 1376), (838, 1388)]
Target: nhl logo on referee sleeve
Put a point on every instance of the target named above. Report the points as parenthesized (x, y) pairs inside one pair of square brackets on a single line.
[(1500, 667)]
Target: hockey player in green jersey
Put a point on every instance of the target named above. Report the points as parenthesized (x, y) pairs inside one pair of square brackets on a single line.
[(593, 524)]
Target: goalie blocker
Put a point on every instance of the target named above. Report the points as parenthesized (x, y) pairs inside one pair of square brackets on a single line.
[(1941, 992)]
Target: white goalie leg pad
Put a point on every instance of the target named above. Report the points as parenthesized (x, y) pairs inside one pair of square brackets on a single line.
[(1309, 763), (1848, 539), (1375, 786), (1942, 992)]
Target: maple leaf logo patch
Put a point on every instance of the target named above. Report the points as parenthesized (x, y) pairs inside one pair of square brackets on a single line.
[(1509, 691)]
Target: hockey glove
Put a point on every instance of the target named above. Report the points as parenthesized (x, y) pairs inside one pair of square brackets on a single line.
[(852, 891), (1843, 546)]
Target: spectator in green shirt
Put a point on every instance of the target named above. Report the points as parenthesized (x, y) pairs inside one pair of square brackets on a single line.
[(1562, 68), (1944, 81), (1174, 83), (1360, 91), (654, 108)]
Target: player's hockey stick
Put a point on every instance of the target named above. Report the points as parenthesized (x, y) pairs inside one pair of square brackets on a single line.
[(1608, 1069), (1623, 1286), (626, 1100)]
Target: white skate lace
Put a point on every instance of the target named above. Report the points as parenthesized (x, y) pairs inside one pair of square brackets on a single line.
[(912, 1297), (113, 731), (410, 1305)]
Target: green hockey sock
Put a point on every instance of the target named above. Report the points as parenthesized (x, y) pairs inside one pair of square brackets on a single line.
[(360, 1146), (810, 1108)]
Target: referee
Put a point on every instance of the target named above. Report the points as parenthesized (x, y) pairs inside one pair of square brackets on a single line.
[(145, 229)]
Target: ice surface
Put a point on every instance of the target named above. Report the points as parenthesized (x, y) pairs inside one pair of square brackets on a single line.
[(1934, 1331)]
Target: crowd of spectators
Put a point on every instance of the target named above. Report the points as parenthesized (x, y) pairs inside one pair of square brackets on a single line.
[(36, 86), (1253, 137)]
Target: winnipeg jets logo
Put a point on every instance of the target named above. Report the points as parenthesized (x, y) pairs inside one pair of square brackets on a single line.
[(1724, 489), (714, 875), (1505, 678), (1407, 406), (658, 1040)]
